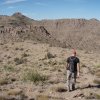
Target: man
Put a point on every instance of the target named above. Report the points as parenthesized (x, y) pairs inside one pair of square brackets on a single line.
[(73, 70)]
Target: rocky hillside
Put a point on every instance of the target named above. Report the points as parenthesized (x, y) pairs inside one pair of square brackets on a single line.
[(71, 33), (76, 33)]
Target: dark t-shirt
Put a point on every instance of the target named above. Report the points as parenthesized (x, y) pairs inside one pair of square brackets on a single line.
[(75, 62)]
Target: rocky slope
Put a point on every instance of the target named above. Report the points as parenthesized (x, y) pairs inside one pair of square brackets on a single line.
[(70, 33)]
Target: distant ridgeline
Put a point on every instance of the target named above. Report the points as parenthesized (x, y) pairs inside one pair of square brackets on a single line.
[(67, 33)]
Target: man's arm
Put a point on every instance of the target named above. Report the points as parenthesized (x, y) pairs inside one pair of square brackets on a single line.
[(67, 65), (78, 69)]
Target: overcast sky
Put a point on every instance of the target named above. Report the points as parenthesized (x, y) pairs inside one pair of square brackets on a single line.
[(52, 9)]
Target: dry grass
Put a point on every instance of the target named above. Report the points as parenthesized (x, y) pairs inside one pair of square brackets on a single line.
[(45, 97), (15, 91), (97, 81), (9, 68), (20, 60), (42, 97), (97, 74), (93, 96), (98, 66), (83, 65), (97, 96), (4, 81), (49, 55), (3, 97)]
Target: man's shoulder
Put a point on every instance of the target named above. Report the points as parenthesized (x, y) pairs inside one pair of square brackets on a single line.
[(68, 58), (74, 57), (71, 57), (77, 59)]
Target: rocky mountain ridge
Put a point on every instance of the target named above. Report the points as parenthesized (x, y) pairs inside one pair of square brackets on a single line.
[(70, 33)]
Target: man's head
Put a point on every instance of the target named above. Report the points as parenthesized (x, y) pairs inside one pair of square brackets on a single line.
[(74, 52)]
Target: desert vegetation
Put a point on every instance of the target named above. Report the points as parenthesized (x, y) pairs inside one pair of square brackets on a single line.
[(34, 76), (38, 71)]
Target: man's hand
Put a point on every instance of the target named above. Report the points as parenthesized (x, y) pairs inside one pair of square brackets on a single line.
[(67, 65), (78, 74), (78, 70)]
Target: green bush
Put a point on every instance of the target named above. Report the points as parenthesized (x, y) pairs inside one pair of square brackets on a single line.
[(34, 76), (8, 68)]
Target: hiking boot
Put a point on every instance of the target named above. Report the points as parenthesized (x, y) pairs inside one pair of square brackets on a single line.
[(73, 87), (69, 90)]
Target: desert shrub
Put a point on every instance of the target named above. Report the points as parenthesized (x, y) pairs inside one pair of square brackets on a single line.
[(96, 81), (93, 96), (83, 65), (64, 45), (8, 57), (34, 76), (97, 96), (2, 97), (62, 62), (97, 74), (19, 60), (49, 55), (21, 49), (25, 55), (50, 62), (16, 48), (42, 97), (98, 66), (0, 60), (4, 81), (1, 44), (8, 68)]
